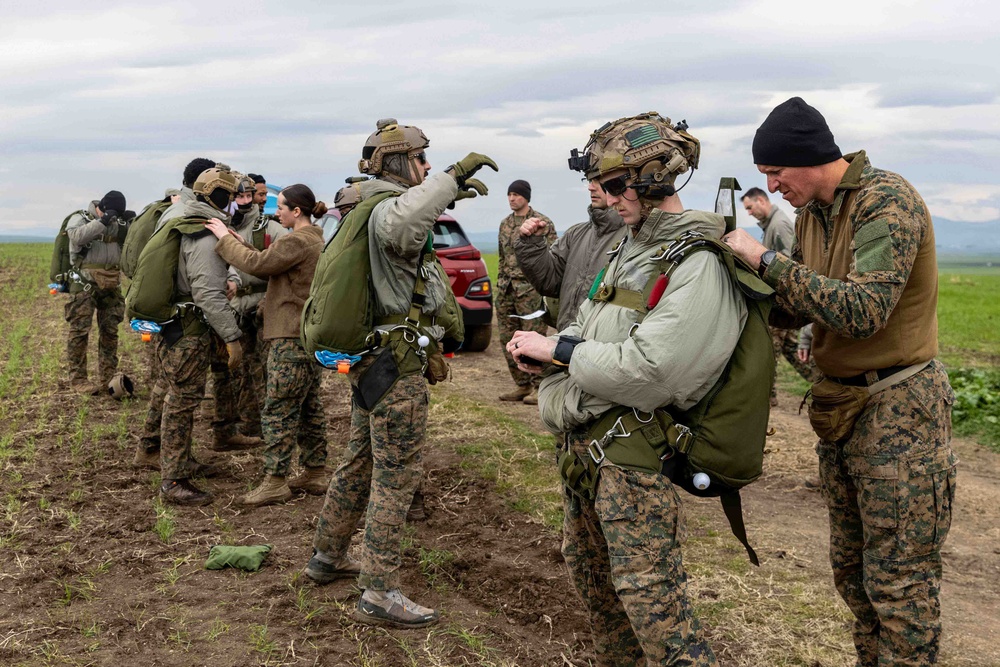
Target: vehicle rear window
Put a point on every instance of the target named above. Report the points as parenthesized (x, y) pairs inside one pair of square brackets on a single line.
[(448, 234)]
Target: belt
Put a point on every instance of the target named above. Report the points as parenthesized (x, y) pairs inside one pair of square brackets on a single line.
[(868, 378)]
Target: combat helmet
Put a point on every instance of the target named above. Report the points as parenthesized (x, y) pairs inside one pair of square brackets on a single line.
[(348, 196), (245, 185), (391, 138), (210, 181), (652, 149)]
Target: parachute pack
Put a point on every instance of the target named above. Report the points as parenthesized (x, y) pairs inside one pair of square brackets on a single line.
[(717, 446), (138, 235), (152, 294), (60, 266)]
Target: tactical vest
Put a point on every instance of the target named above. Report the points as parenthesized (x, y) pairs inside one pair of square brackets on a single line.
[(721, 436), (141, 230), (152, 295)]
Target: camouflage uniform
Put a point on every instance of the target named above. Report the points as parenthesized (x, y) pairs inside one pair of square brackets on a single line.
[(183, 367), (293, 411), (224, 383), (890, 484), (382, 470), (624, 556), (93, 246), (515, 294)]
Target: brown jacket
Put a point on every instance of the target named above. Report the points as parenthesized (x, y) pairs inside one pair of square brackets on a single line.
[(288, 264)]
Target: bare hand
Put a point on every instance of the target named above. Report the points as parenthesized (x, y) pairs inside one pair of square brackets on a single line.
[(532, 345), (745, 246), (217, 227), (533, 227), (230, 290), (803, 355)]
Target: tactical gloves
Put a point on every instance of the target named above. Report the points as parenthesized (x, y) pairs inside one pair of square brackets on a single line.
[(110, 217), (469, 165), (473, 187), (235, 354)]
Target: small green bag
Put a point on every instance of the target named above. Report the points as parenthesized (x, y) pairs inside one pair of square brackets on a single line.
[(244, 558)]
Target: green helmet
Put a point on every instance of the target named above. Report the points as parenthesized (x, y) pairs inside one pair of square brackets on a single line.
[(390, 138), (210, 180), (649, 147)]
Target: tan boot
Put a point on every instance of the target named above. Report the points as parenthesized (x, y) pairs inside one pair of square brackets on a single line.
[(517, 395), (234, 442), (144, 459), (272, 491), (310, 480), (532, 398), (85, 387)]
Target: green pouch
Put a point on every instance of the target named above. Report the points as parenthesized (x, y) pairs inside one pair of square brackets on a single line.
[(244, 558)]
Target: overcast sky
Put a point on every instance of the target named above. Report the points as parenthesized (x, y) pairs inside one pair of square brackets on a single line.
[(122, 96)]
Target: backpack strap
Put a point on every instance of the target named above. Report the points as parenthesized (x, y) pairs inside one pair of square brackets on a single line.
[(732, 505)]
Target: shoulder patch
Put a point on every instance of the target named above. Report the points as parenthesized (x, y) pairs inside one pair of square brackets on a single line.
[(873, 248)]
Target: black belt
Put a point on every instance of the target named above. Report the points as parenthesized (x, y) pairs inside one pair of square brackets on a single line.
[(868, 378)]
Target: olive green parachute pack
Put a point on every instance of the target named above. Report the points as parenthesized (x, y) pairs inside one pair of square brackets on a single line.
[(723, 435), (339, 315), (152, 295), (59, 267), (139, 233)]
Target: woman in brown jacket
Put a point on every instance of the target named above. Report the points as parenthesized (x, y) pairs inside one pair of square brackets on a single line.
[(292, 409)]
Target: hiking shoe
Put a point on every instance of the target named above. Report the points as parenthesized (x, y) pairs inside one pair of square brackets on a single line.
[(517, 395), (147, 460), (235, 442), (310, 480), (272, 491), (323, 572), (183, 492), (417, 511), (532, 398), (393, 608), (85, 387)]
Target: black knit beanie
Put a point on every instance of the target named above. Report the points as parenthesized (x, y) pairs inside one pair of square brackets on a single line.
[(113, 201), (520, 187), (794, 134)]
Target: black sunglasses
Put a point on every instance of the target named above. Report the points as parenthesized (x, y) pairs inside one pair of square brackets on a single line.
[(420, 156), (615, 187)]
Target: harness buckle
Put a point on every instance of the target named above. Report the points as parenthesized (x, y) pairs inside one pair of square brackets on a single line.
[(641, 420), (684, 436), (590, 450)]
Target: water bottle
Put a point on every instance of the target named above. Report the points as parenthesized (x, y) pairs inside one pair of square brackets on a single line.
[(701, 481)]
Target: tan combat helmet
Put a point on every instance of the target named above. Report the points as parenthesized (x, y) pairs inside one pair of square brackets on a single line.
[(347, 198), (244, 184), (649, 147), (210, 180), (391, 138)]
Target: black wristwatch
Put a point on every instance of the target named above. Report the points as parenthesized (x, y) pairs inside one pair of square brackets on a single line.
[(564, 350), (765, 261)]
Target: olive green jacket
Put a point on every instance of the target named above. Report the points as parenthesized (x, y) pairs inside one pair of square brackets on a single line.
[(397, 232), (678, 352)]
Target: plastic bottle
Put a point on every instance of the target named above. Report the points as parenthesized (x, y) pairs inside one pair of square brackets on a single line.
[(701, 481)]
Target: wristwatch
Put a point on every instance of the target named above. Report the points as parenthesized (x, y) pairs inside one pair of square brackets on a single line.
[(765, 261), (564, 350)]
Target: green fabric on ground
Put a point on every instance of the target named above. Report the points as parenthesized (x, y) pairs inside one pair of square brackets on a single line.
[(244, 558)]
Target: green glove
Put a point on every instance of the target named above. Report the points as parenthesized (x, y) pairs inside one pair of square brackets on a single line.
[(469, 165), (243, 558), (472, 188)]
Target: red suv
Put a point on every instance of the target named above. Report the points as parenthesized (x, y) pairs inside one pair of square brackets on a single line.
[(465, 268)]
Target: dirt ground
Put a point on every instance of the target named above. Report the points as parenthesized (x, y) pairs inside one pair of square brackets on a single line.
[(86, 579)]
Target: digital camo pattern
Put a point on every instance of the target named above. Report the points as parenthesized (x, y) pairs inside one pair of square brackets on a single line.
[(786, 344), (251, 377), (292, 410), (381, 471), (890, 488), (185, 368), (624, 557), (79, 313), (150, 439), (858, 306), (223, 390), (514, 294)]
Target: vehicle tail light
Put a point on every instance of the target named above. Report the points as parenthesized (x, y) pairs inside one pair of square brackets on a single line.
[(466, 254), (480, 289)]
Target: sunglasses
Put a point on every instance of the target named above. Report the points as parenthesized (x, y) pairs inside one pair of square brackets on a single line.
[(422, 157), (615, 187)]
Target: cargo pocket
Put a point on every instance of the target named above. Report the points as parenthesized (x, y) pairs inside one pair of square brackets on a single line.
[(927, 490), (638, 513), (876, 480)]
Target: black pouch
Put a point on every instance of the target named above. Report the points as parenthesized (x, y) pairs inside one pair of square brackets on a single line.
[(376, 381), (171, 332)]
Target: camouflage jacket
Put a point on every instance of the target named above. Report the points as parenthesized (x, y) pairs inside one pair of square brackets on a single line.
[(779, 234), (892, 235), (93, 243), (511, 281), (567, 268)]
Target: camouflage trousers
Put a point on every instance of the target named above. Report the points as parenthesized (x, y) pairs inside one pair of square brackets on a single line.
[(507, 305), (293, 411), (227, 416), (624, 557), (381, 471), (184, 370), (251, 376), (79, 313), (786, 344), (150, 439), (889, 487)]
